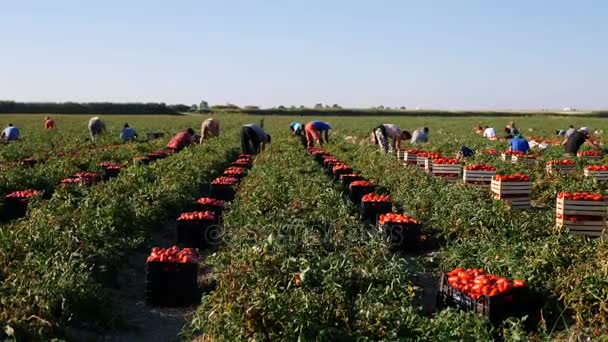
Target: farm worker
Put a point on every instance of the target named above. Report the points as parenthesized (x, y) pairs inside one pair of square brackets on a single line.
[(10, 133), (128, 133), (420, 135), (96, 127), (253, 139), (573, 143), (296, 128), (209, 128), (315, 130), (489, 133), (478, 129), (519, 144), (560, 132), (381, 134), (49, 123), (512, 129), (181, 140), (465, 152), (569, 132), (508, 134)]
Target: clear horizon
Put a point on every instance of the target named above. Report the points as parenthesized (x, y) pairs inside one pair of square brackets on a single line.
[(473, 55)]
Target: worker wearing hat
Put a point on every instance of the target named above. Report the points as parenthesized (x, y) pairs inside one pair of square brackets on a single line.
[(574, 142)]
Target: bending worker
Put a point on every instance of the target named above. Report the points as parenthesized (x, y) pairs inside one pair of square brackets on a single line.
[(181, 140), (210, 128), (315, 130), (253, 139), (381, 134)]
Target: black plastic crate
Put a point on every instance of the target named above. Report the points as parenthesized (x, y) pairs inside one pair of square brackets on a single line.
[(217, 210), (196, 233), (110, 173), (517, 302), (244, 165), (401, 235), (347, 179), (320, 158), (355, 193), (14, 208), (371, 211), (223, 192), (142, 160), (172, 284), (341, 172)]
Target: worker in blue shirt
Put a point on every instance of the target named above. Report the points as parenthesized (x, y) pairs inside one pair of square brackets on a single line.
[(10, 133), (128, 133), (316, 131), (519, 144)]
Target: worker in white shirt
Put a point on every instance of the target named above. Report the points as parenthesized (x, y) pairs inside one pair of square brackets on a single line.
[(489, 133), (381, 134)]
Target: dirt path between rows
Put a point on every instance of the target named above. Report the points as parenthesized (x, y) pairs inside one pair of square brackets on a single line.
[(142, 322)]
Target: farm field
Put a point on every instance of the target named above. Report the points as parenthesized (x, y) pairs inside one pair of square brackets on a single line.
[(295, 258)]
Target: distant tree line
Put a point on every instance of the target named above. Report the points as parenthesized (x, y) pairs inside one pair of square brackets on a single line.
[(91, 108)]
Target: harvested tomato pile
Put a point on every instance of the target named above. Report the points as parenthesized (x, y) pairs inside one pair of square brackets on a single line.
[(362, 183), (590, 153), (396, 218), (480, 167), (580, 196), (474, 282), (445, 160), (174, 254), (225, 181), (491, 151), (197, 216), (210, 201), (341, 167), (597, 167), (413, 150), (235, 171), (517, 177), (561, 162), (372, 197), (110, 166), (430, 155), (24, 194)]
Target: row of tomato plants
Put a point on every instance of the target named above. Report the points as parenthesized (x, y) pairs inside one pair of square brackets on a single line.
[(480, 232), (298, 263), (54, 263)]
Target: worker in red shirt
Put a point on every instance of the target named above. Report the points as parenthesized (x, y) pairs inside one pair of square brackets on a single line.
[(49, 123), (181, 140)]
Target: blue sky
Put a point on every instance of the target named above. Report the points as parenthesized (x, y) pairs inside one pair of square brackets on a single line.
[(433, 54)]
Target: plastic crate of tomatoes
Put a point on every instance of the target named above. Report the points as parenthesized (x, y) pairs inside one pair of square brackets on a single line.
[(597, 172), (341, 169), (213, 205), (373, 205), (581, 212), (401, 230), (491, 296), (171, 277), (347, 178), (15, 204), (196, 229), (142, 160), (590, 155), (516, 189), (358, 189), (224, 188), (110, 170), (329, 165), (235, 172), (561, 166), (479, 174)]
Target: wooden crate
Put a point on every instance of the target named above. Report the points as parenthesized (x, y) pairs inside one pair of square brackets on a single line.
[(589, 158), (512, 190), (598, 175), (410, 158), (436, 169), (582, 217), (561, 169), (523, 160), (566, 207), (422, 162), (478, 177), (506, 157)]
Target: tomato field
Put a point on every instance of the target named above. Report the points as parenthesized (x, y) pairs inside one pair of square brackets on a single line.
[(294, 258)]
